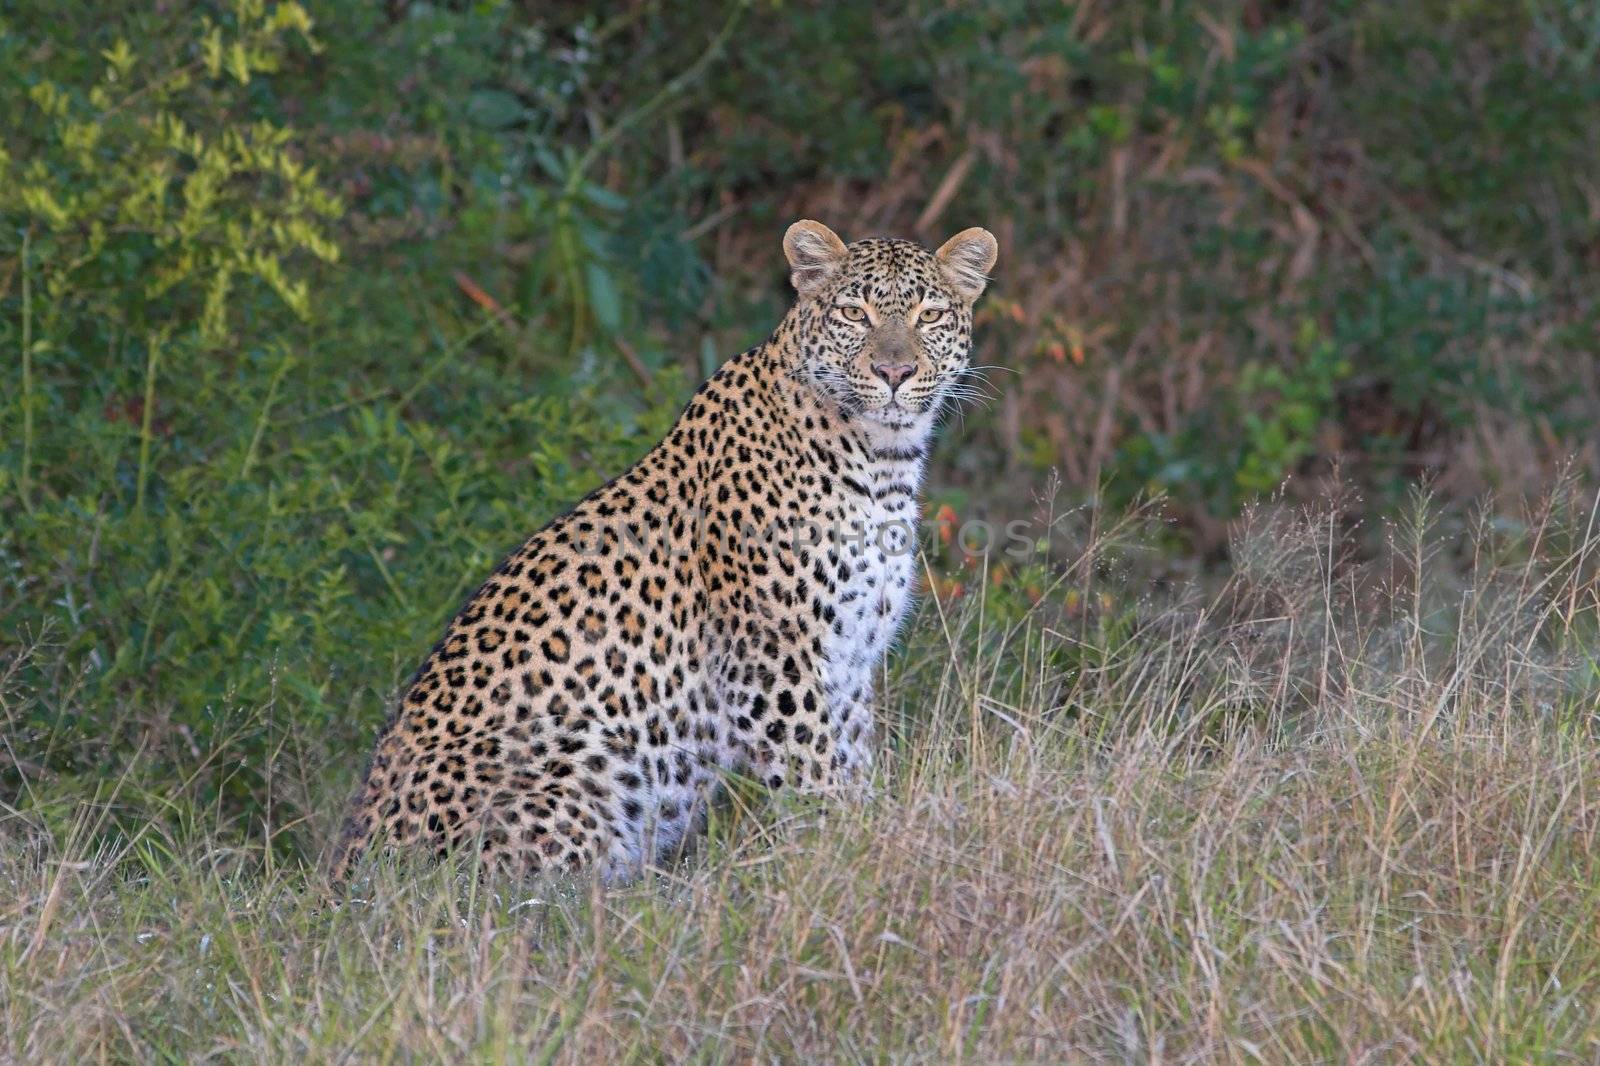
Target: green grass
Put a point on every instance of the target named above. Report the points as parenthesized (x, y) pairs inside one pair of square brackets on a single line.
[(1333, 809)]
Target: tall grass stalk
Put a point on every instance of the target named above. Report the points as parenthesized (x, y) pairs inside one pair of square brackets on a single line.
[(147, 415), (24, 490)]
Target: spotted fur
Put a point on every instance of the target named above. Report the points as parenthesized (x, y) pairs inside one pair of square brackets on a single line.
[(719, 607)]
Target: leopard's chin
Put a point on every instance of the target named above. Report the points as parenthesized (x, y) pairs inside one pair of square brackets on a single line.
[(897, 414)]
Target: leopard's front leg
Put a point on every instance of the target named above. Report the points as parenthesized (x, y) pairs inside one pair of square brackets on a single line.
[(790, 726)]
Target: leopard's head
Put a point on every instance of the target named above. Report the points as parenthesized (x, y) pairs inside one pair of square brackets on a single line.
[(884, 327)]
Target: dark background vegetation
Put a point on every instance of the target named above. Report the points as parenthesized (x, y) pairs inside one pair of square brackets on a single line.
[(310, 314)]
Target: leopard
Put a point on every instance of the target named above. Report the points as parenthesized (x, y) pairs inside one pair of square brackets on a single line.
[(720, 610)]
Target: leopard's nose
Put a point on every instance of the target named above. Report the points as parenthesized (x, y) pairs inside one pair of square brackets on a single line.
[(894, 373)]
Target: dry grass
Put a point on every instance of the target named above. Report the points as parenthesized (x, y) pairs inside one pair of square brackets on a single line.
[(1335, 811)]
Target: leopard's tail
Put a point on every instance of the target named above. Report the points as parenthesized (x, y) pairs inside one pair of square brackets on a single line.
[(351, 845), (355, 835)]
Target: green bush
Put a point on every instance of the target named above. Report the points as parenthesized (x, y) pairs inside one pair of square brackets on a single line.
[(319, 309), (244, 489)]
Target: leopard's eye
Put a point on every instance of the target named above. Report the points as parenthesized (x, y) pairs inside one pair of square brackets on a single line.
[(930, 315), (853, 313)]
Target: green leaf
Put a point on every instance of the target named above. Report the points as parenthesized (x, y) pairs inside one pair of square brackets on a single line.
[(239, 63), (603, 198), (494, 109), (603, 297)]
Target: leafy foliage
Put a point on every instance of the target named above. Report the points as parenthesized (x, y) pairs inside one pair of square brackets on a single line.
[(130, 191), (320, 307)]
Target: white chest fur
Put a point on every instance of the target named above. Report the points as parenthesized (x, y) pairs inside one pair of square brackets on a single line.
[(877, 552)]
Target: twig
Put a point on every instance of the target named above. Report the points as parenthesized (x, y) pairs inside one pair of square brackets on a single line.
[(477, 295), (710, 222), (261, 420), (635, 364), (947, 190), (449, 353)]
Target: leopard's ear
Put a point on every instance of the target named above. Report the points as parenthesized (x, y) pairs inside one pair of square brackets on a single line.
[(815, 254), (966, 260)]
